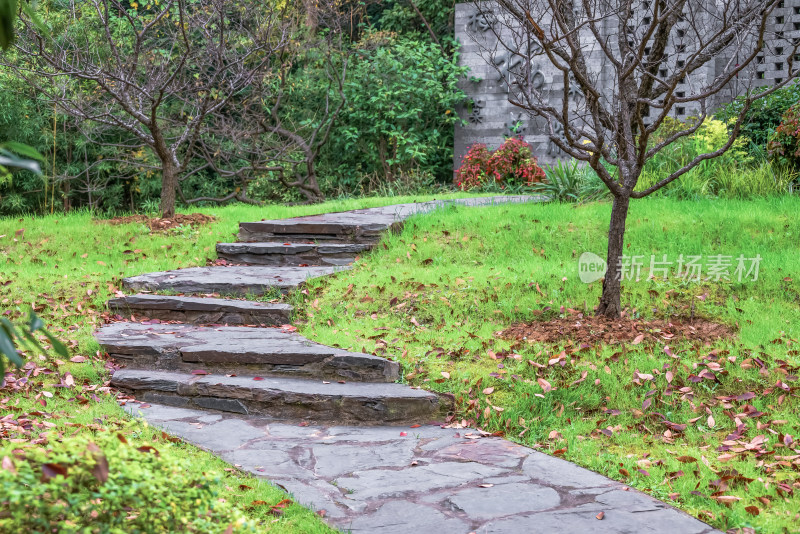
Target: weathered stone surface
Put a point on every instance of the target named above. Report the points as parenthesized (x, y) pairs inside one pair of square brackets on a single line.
[(315, 494), (545, 468), (223, 405), (405, 480), (156, 381), (355, 226), (291, 253), (623, 500), (332, 459), (267, 351), (288, 398), (239, 280), (504, 499), (166, 398), (199, 310), (382, 483), (281, 462), (498, 452), (614, 522), (403, 517)]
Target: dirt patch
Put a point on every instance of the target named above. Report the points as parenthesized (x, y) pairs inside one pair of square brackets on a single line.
[(157, 224), (592, 330)]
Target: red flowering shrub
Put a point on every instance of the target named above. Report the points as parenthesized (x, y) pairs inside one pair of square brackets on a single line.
[(512, 163), (784, 143), (474, 167)]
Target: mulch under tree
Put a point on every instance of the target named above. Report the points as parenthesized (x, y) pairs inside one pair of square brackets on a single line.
[(601, 329)]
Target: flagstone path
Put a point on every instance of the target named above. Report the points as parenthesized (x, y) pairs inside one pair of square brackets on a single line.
[(330, 426)]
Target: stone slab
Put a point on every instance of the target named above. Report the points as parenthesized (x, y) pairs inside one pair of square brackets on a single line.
[(408, 480), (500, 500), (285, 398), (200, 310), (238, 280), (267, 351), (284, 254), (357, 226), (405, 516)]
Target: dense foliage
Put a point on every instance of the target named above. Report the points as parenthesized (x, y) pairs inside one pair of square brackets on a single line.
[(401, 98), (741, 172), (397, 125), (763, 117), (78, 485), (784, 144)]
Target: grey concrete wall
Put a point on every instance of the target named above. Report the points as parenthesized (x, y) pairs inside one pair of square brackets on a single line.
[(493, 117)]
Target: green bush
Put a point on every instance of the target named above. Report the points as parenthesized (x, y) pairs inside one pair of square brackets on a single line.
[(784, 144), (398, 16), (108, 486), (401, 97), (763, 117)]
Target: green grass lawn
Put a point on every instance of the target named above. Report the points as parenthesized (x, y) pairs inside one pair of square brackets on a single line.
[(65, 267), (435, 296), (662, 416)]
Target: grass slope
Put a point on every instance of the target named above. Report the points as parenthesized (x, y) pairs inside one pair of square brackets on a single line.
[(66, 267), (434, 296)]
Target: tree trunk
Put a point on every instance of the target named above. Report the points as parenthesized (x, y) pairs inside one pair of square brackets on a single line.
[(310, 187), (312, 20), (169, 183), (610, 300)]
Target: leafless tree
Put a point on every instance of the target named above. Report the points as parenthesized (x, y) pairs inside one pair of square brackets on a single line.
[(186, 80), (621, 68)]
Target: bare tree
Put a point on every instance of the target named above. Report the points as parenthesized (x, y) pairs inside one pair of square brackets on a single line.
[(300, 138), (621, 68), (186, 80)]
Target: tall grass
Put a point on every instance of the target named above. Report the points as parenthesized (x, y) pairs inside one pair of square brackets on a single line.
[(740, 173)]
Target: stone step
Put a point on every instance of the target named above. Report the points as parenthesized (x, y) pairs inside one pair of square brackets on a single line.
[(198, 310), (284, 398), (356, 226), (239, 280), (282, 254), (238, 350)]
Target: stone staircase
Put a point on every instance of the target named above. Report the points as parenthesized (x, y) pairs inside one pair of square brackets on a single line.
[(231, 355)]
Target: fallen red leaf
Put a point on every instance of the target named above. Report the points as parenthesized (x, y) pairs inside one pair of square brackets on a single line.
[(52, 470)]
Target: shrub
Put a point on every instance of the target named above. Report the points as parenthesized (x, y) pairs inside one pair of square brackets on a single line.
[(571, 182), (763, 117), (784, 144), (401, 96), (108, 486), (512, 164)]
